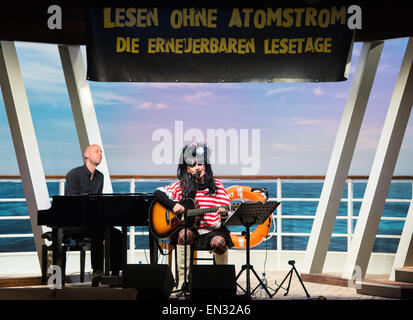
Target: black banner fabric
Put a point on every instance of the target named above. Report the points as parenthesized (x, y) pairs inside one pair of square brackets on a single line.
[(186, 44)]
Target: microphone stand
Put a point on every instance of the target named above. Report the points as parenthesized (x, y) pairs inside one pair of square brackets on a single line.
[(185, 286)]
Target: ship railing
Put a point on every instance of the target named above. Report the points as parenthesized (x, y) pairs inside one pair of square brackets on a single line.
[(278, 216)]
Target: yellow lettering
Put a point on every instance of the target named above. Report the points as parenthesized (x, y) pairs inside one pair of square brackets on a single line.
[(275, 45), (310, 17), (200, 17), (288, 19), (212, 18), (284, 46), (232, 45), (188, 18), (189, 44), (222, 45), (274, 16), (292, 46), (130, 17), (299, 12), (179, 45), (160, 45), (196, 44), (170, 45), (296, 45), (300, 42), (259, 19), (151, 45), (119, 17), (327, 45), (266, 49), (247, 16), (135, 45), (141, 18), (309, 47), (235, 20), (107, 22), (338, 15), (213, 45), (319, 44), (204, 46), (241, 46), (120, 44), (324, 18), (153, 17), (127, 44), (250, 46), (176, 19)]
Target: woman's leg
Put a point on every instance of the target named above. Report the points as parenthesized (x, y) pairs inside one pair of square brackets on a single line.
[(180, 247), (220, 250)]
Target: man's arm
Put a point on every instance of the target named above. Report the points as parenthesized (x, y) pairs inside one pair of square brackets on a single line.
[(71, 187)]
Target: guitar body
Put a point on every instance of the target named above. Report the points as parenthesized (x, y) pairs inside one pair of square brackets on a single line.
[(164, 222)]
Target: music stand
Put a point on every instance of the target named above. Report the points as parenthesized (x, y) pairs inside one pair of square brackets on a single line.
[(289, 276), (248, 214)]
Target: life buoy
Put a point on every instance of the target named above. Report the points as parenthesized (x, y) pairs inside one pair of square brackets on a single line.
[(252, 194)]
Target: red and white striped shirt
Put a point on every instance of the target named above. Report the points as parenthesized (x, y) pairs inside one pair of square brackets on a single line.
[(209, 221)]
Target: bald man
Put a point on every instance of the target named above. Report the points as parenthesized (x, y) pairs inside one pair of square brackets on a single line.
[(85, 180)]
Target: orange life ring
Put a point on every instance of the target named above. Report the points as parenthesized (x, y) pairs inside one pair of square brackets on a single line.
[(252, 194)]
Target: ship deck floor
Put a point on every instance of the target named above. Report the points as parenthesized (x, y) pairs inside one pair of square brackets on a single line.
[(319, 287)]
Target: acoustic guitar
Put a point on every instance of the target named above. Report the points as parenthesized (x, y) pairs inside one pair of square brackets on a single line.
[(164, 222)]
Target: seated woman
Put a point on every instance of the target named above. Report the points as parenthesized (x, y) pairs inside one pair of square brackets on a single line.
[(196, 181)]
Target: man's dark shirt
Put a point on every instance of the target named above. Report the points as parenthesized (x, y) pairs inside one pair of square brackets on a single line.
[(78, 182)]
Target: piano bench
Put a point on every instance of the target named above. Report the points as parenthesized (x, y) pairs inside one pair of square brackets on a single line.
[(68, 244)]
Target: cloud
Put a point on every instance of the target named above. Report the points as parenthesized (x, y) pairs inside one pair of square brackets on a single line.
[(340, 96), (317, 91), (199, 96), (279, 90), (109, 98), (366, 143), (299, 121), (39, 48), (287, 147), (152, 106)]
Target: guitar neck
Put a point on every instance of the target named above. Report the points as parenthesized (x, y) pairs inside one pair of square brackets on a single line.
[(196, 212)]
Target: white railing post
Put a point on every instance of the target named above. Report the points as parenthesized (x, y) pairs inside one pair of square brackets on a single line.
[(382, 169), (349, 212), (278, 231), (132, 245), (61, 187), (341, 157)]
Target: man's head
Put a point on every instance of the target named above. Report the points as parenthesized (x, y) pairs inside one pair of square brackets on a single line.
[(93, 155)]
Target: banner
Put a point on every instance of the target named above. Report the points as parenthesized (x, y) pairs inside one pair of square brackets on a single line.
[(201, 44)]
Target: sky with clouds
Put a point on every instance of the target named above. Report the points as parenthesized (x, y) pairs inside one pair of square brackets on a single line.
[(297, 122)]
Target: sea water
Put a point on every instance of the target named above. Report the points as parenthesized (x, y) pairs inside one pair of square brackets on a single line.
[(310, 189)]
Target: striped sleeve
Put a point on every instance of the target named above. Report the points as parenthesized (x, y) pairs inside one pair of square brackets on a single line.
[(212, 220), (173, 190)]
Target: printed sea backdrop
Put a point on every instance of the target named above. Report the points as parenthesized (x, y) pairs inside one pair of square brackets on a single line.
[(290, 189)]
